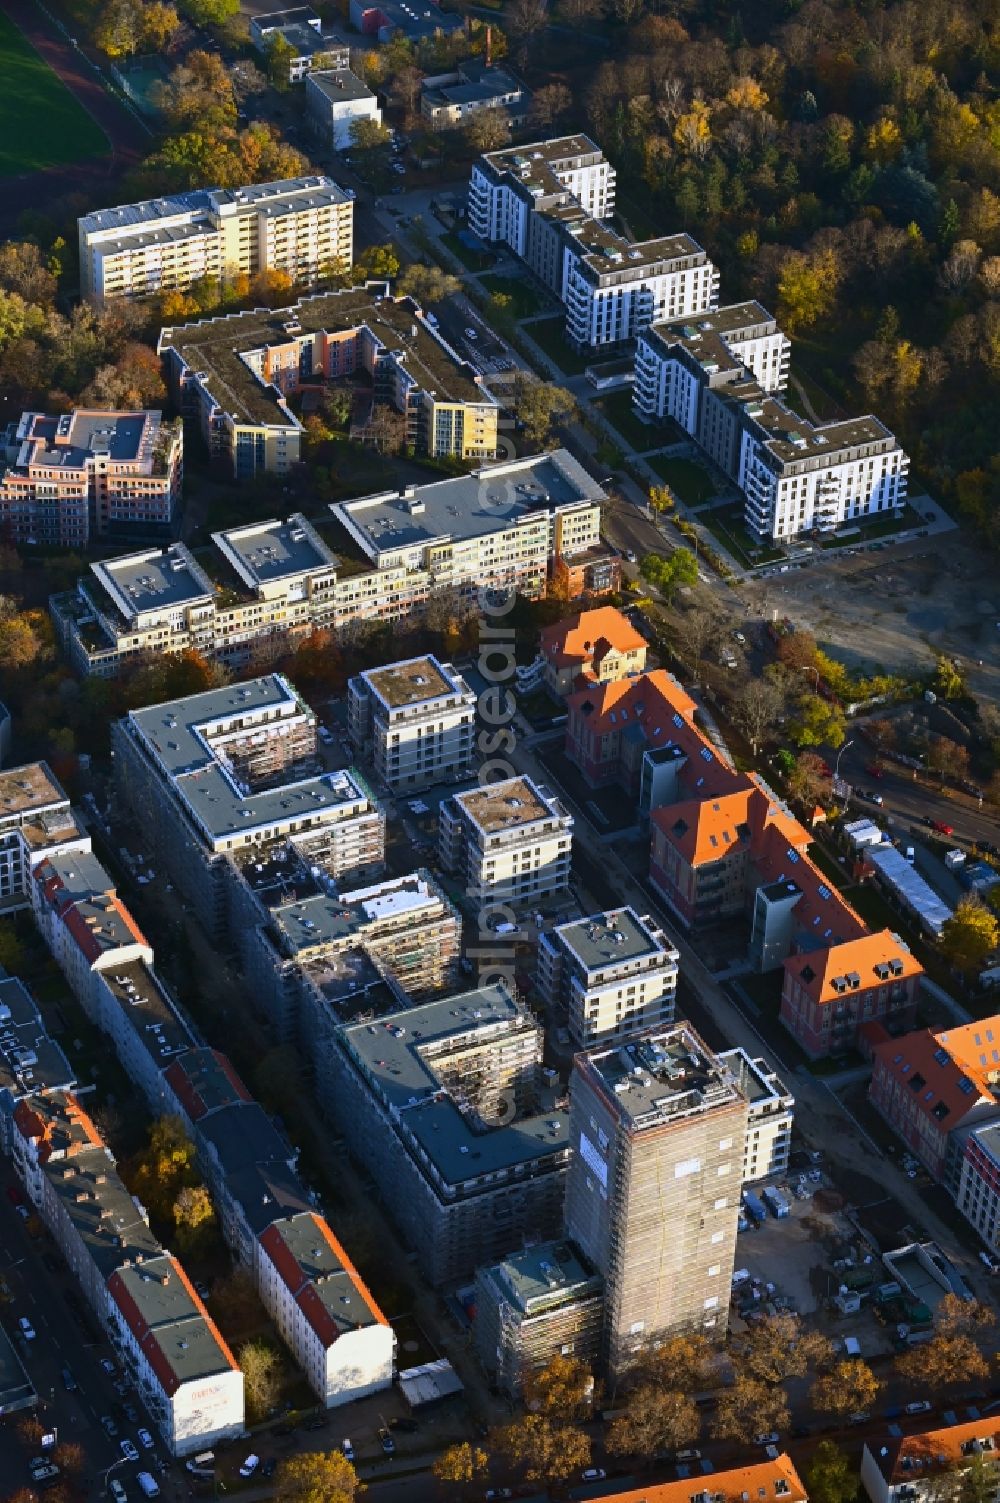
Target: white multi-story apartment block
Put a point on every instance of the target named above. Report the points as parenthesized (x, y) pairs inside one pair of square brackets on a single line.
[(222, 773), (335, 100), (770, 1112), (657, 1129), (719, 377), (414, 720), (509, 843), (513, 525), (68, 478), (615, 974), (547, 202), (36, 820), (299, 226), (159, 1328), (236, 373), (323, 1311)]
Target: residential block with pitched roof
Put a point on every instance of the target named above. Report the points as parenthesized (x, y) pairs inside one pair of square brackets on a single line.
[(774, 1481), (159, 1328), (722, 845), (597, 646), (914, 1468)]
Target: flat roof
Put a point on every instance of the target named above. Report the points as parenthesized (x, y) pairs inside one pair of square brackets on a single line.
[(339, 84), (207, 201), (662, 1077), (536, 163), (611, 938), (504, 806), (228, 351), (343, 919), (154, 1019), (397, 1055), (30, 1060), (411, 682), (29, 788), (76, 874), (917, 895), (73, 438), (756, 1080), (265, 551), (546, 1274), (467, 506), (174, 1317), (155, 579)]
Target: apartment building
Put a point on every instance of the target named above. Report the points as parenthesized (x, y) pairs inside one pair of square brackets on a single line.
[(450, 100), (334, 955), (770, 1113), (31, 1063), (973, 1178), (443, 1105), (593, 646), (720, 377), (383, 20), (547, 201), (932, 1084), (509, 844), (140, 1295), (235, 375), (615, 974), (35, 820), (768, 1481), (336, 99), (502, 528), (724, 846), (231, 771), (302, 30), (414, 721), (928, 1464), (299, 226), (658, 1131), (381, 558), (86, 474), (324, 1312), (532, 1306)]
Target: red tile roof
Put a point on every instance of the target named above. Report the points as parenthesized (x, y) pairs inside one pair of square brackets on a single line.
[(586, 637), (947, 1072), (96, 939), (904, 1458), (186, 1075), (303, 1289), (40, 1119), (146, 1336), (759, 1482)]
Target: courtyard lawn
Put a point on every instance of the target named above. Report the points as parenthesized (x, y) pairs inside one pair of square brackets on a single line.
[(548, 334), (472, 259), (618, 410), (691, 482), (525, 300), (41, 123), (726, 524)]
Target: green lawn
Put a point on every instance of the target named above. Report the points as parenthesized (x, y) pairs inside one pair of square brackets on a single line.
[(41, 123), (726, 524), (885, 527), (691, 482), (525, 300), (474, 260), (618, 410), (548, 334)]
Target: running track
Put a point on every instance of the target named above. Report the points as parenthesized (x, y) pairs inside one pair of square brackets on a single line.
[(90, 182)]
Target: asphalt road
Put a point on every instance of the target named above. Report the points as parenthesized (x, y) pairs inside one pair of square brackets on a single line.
[(915, 798), (92, 180)]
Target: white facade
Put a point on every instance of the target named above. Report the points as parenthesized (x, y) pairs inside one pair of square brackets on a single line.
[(720, 380), (508, 842), (416, 720), (915, 1468), (137, 250), (615, 973), (335, 99), (771, 1110), (604, 307)]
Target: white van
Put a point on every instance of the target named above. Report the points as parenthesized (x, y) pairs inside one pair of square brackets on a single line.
[(149, 1486)]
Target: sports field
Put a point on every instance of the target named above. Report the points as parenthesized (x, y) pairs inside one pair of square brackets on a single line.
[(41, 124)]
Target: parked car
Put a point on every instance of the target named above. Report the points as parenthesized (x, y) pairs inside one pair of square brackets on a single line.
[(118, 1492), (110, 1428), (27, 1329), (69, 1382), (941, 827), (740, 638), (770, 1439), (594, 1474), (108, 1366), (919, 1406), (347, 1448), (250, 1465), (128, 1449), (873, 770), (630, 555), (470, 333), (690, 1454), (146, 1440), (498, 1492), (386, 1441)]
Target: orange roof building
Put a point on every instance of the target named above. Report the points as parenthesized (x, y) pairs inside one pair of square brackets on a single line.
[(909, 1467), (325, 1310), (761, 1482), (593, 646), (722, 844), (930, 1083)]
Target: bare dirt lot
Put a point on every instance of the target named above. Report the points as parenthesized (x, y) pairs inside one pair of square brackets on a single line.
[(898, 609)]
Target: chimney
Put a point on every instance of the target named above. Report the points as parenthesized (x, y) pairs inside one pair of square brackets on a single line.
[(489, 45)]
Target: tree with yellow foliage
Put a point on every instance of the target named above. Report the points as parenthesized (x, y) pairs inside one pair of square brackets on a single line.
[(317, 1477), (883, 141), (164, 1167), (746, 94), (563, 1389), (460, 1465), (807, 287), (693, 131), (850, 1387)]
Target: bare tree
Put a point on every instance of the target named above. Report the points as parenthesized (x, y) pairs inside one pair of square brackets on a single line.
[(758, 707), (696, 631)]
